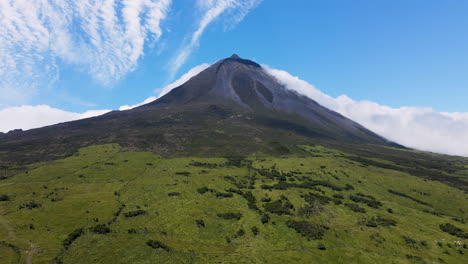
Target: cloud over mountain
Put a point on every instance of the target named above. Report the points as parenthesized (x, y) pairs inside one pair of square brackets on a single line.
[(415, 127)]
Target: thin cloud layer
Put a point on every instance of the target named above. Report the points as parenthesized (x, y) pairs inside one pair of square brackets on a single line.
[(103, 37), (27, 117), (211, 10), (415, 127)]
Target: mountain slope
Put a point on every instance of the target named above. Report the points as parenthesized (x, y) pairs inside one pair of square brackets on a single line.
[(232, 103)]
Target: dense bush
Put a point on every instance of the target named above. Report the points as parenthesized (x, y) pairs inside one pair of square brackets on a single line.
[(223, 195), (265, 218), (228, 216), (157, 244), (378, 221), (183, 173), (203, 164), (100, 229), (232, 190), (366, 199), (255, 231), (356, 208), (251, 200), (279, 207), (306, 229), (200, 223), (203, 190), (72, 237), (135, 213), (30, 205), (173, 194), (407, 196), (453, 230), (4, 198)]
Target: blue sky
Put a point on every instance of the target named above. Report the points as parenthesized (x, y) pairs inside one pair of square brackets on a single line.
[(76, 56)]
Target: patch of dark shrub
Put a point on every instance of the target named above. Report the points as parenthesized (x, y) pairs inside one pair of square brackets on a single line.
[(255, 231), (135, 213), (158, 244), (279, 207), (203, 164), (30, 205), (100, 229), (132, 231), (200, 223), (265, 218), (223, 195), (453, 230), (356, 208), (203, 190), (173, 194), (407, 196), (229, 216), (72, 237), (232, 190), (378, 221), (251, 200), (183, 173), (308, 230), (366, 199), (4, 198)]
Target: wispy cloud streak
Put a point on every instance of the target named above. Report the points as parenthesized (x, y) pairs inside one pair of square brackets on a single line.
[(235, 10), (105, 38)]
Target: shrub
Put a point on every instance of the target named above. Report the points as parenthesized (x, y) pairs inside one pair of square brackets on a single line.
[(366, 199), (265, 218), (356, 208), (4, 198), (239, 233), (183, 173), (229, 216), (132, 231), (321, 246), (306, 229), (72, 237), (223, 195), (407, 196), (157, 244), (232, 190), (279, 207), (379, 221), (30, 205), (135, 213), (203, 190), (255, 231), (251, 200), (453, 230), (173, 194), (200, 223), (100, 229)]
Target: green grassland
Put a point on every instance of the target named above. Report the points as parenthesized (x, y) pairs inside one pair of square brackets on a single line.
[(103, 205)]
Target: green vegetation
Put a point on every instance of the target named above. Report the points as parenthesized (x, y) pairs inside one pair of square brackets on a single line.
[(103, 205)]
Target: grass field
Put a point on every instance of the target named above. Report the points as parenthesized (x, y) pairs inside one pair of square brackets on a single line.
[(106, 206)]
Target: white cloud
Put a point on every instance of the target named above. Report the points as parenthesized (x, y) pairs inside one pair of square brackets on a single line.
[(212, 9), (27, 117), (103, 37), (192, 72), (146, 101), (415, 127)]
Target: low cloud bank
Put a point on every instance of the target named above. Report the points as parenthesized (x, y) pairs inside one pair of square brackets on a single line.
[(29, 116), (417, 127)]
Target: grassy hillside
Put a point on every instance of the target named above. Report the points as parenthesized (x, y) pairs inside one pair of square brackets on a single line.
[(102, 205)]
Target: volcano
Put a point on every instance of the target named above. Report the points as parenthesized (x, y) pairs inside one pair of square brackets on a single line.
[(234, 106)]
